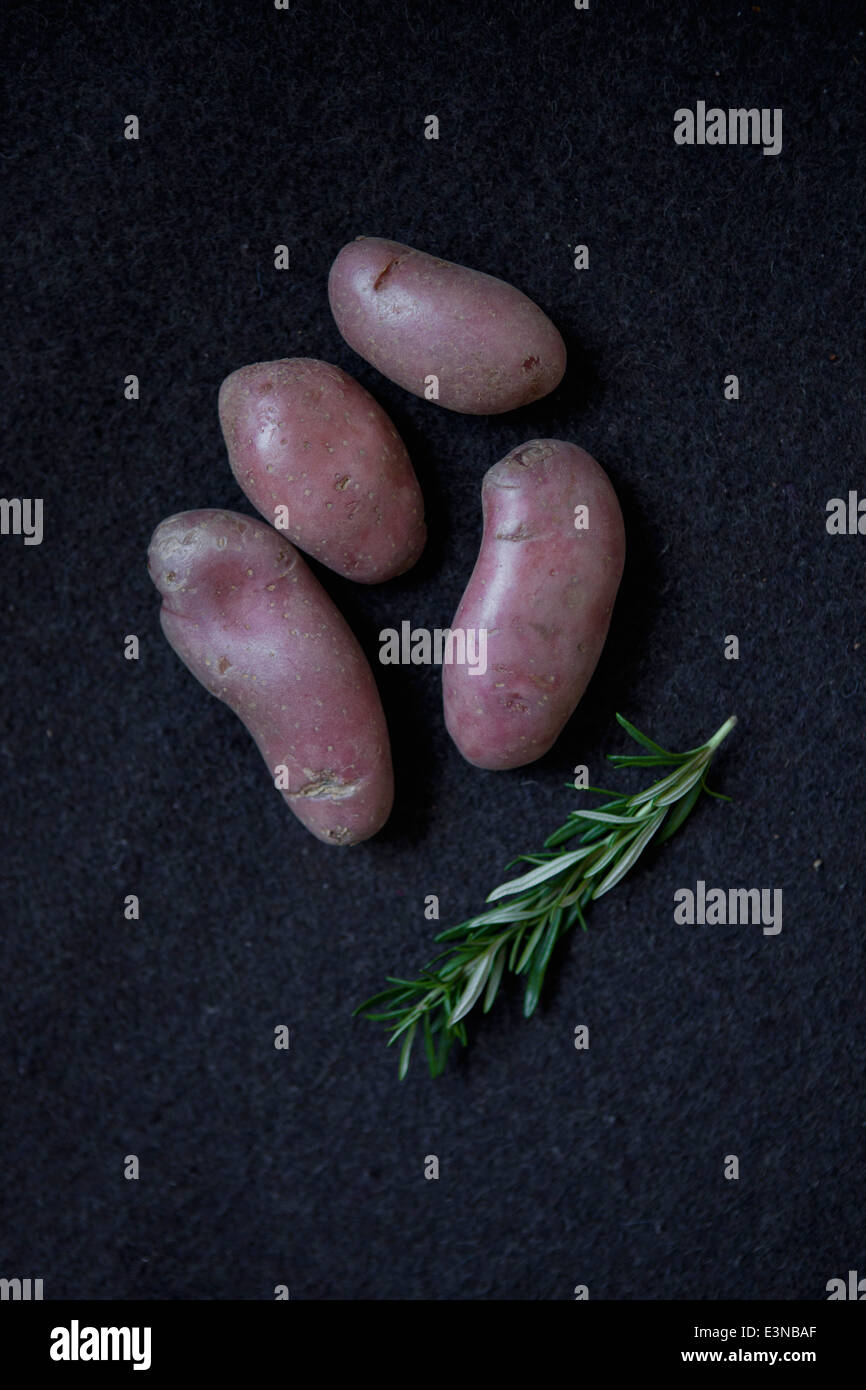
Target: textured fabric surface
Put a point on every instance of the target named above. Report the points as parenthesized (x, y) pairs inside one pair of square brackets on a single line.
[(260, 1167)]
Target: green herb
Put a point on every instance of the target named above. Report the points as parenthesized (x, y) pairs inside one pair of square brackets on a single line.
[(520, 934)]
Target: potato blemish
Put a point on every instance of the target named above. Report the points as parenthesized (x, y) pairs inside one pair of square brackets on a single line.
[(326, 786)]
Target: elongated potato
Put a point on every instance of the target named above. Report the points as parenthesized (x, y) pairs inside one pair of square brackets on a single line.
[(415, 317), (543, 587), (251, 622), (304, 436)]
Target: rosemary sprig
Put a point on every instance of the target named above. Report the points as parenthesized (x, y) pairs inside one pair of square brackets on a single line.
[(543, 903)]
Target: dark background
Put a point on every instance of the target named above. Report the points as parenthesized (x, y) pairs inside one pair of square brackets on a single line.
[(155, 1037)]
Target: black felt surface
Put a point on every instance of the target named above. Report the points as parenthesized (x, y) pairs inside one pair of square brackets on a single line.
[(154, 1038)]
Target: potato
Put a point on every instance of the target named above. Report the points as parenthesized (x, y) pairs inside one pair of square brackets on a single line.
[(251, 622), (304, 436), (415, 317), (543, 587)]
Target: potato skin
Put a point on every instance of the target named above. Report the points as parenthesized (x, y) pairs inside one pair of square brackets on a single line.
[(248, 618), (545, 593), (303, 434), (412, 316)]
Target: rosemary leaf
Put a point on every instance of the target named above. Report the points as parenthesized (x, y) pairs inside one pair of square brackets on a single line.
[(536, 876), (476, 983), (495, 977), (632, 853)]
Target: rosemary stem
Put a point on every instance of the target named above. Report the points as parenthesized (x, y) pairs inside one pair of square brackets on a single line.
[(721, 734), (545, 902)]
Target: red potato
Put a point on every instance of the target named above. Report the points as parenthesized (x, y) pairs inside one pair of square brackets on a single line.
[(415, 317), (544, 590), (304, 436), (248, 618)]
